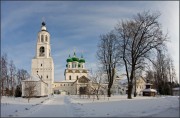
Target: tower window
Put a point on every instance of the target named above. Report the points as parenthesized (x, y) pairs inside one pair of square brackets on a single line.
[(46, 38), (70, 77), (47, 76), (41, 64), (77, 77), (41, 51), (42, 38), (72, 65)]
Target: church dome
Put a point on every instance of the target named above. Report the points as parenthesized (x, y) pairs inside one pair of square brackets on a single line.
[(82, 60), (69, 59), (43, 27), (74, 58)]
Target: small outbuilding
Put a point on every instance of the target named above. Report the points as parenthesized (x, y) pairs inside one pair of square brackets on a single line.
[(148, 91), (176, 91)]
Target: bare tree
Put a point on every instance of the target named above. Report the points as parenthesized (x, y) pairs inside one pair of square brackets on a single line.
[(163, 73), (171, 72), (97, 79), (138, 38), (30, 89), (108, 56), (4, 74), (12, 72), (22, 75)]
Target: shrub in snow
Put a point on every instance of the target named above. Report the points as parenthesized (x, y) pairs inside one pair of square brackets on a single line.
[(18, 91)]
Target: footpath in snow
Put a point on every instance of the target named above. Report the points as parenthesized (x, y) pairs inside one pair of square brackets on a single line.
[(74, 106)]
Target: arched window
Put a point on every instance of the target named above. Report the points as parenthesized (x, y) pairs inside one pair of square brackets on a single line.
[(77, 77), (70, 77), (41, 51), (46, 38), (42, 38)]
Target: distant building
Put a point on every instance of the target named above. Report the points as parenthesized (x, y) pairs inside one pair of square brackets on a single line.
[(140, 85), (119, 87), (41, 88), (176, 91), (148, 91)]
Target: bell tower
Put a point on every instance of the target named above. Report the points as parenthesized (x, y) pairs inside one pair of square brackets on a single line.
[(42, 64), (43, 43)]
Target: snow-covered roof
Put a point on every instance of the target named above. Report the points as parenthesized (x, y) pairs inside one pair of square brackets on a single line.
[(32, 78), (68, 81), (148, 84), (149, 90)]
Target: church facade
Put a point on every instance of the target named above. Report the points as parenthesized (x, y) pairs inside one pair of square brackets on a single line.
[(76, 77)]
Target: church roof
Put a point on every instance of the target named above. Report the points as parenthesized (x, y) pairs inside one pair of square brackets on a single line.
[(74, 58), (69, 59), (64, 81), (82, 60)]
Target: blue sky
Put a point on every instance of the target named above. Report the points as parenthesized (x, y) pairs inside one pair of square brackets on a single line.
[(75, 25)]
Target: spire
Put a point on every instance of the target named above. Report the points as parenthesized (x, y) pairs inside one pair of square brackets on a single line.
[(43, 27), (82, 54), (74, 53)]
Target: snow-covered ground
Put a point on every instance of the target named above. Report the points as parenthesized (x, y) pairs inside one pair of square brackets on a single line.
[(74, 106)]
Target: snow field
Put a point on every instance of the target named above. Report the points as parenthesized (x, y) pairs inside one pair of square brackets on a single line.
[(120, 106), (11, 106), (74, 106)]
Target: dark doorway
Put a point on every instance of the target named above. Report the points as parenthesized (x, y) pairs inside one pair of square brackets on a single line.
[(82, 90)]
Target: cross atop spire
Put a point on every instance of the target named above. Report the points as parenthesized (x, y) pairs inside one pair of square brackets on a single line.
[(43, 21)]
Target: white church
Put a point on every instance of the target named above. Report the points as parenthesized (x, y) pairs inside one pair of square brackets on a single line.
[(76, 75), (42, 70)]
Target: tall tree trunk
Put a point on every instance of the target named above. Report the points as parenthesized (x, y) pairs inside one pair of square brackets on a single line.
[(130, 90), (109, 92)]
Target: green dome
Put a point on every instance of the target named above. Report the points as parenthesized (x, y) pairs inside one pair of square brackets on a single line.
[(82, 61), (74, 58), (69, 59)]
